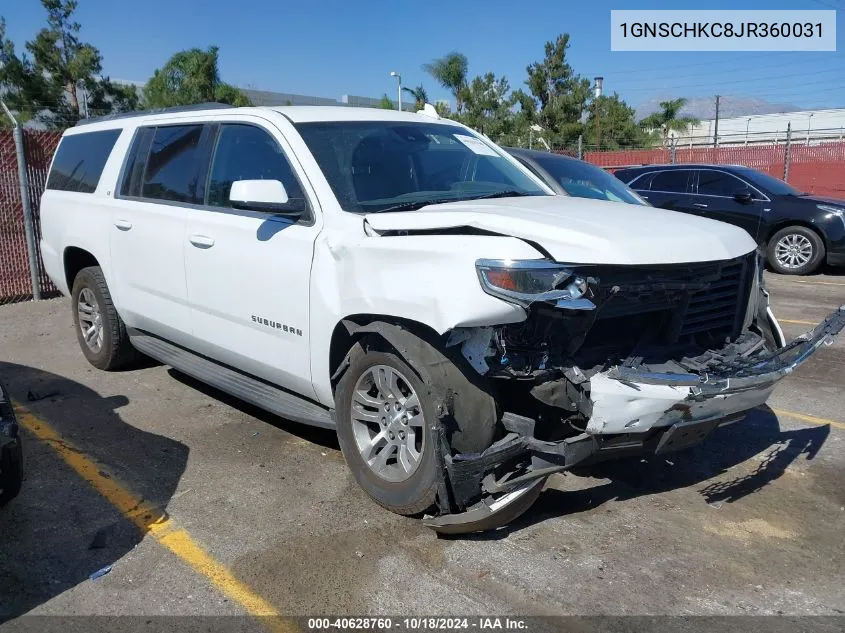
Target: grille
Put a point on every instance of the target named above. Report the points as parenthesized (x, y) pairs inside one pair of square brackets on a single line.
[(674, 302), (716, 307)]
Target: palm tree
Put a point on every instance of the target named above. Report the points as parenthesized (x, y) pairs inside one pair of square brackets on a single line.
[(450, 71), (668, 120), (419, 94)]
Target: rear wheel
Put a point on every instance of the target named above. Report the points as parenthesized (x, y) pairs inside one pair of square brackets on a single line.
[(99, 329), (387, 423), (795, 250)]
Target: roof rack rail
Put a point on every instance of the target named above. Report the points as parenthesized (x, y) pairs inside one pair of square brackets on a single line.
[(176, 109)]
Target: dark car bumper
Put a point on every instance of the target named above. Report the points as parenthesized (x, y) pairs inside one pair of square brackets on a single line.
[(834, 233), (836, 258), (8, 422), (11, 453)]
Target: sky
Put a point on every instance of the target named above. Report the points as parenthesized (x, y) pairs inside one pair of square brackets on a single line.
[(329, 47)]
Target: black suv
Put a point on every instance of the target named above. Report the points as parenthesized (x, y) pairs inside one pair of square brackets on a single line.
[(798, 231)]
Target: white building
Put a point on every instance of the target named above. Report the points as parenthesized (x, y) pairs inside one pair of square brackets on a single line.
[(815, 126)]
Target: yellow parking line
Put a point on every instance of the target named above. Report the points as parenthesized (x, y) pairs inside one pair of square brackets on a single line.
[(809, 418), (152, 520), (796, 322)]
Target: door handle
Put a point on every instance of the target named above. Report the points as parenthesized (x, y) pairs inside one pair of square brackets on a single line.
[(700, 205), (123, 225), (201, 241)]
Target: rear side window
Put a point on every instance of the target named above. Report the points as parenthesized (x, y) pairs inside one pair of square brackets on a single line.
[(717, 183), (80, 159), (674, 181), (173, 166)]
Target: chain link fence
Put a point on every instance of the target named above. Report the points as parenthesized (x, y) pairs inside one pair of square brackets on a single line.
[(815, 164), (15, 276)]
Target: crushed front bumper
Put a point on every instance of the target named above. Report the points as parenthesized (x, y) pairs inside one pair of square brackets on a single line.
[(634, 411)]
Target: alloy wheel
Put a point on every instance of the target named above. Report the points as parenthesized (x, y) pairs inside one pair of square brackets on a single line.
[(388, 423), (794, 251), (90, 319)]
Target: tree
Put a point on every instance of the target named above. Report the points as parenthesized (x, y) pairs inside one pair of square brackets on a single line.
[(386, 103), (19, 85), (558, 96), (450, 71), (70, 65), (487, 106), (616, 123), (667, 119), (419, 94), (443, 109), (189, 77), (62, 81)]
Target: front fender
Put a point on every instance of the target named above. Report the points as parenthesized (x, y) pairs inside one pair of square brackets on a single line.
[(429, 279)]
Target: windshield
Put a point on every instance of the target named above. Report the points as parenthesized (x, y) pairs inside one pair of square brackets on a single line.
[(583, 180), (396, 165), (771, 184)]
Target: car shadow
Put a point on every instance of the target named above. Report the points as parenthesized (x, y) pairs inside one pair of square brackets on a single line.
[(727, 447), (327, 438), (60, 530)]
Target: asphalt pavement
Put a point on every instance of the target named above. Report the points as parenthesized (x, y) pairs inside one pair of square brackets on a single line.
[(198, 504)]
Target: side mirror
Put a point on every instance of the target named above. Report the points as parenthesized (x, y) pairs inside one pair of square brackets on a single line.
[(266, 196), (744, 196)]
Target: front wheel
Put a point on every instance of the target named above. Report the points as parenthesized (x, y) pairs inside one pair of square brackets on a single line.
[(795, 250), (388, 423)]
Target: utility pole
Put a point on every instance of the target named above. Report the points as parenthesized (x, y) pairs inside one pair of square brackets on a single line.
[(393, 73), (598, 86), (787, 152), (716, 124)]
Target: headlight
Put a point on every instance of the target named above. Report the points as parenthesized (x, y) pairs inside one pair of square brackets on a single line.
[(525, 281)]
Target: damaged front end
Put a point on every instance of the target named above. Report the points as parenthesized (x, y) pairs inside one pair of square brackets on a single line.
[(614, 361)]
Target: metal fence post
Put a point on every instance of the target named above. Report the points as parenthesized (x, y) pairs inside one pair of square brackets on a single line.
[(28, 225), (786, 152), (580, 147)]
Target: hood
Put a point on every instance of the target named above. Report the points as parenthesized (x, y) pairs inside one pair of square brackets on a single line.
[(582, 231)]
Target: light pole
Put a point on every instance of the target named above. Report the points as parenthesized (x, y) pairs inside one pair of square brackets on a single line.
[(747, 123), (809, 122), (393, 73), (597, 93)]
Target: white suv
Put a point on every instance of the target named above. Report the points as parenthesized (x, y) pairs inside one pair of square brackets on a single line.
[(404, 280)]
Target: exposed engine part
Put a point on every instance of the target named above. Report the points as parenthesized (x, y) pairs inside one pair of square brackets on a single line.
[(635, 411), (475, 345)]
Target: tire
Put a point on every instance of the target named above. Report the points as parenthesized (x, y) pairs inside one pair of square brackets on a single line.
[(795, 250), (109, 348), (408, 493), (11, 471)]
